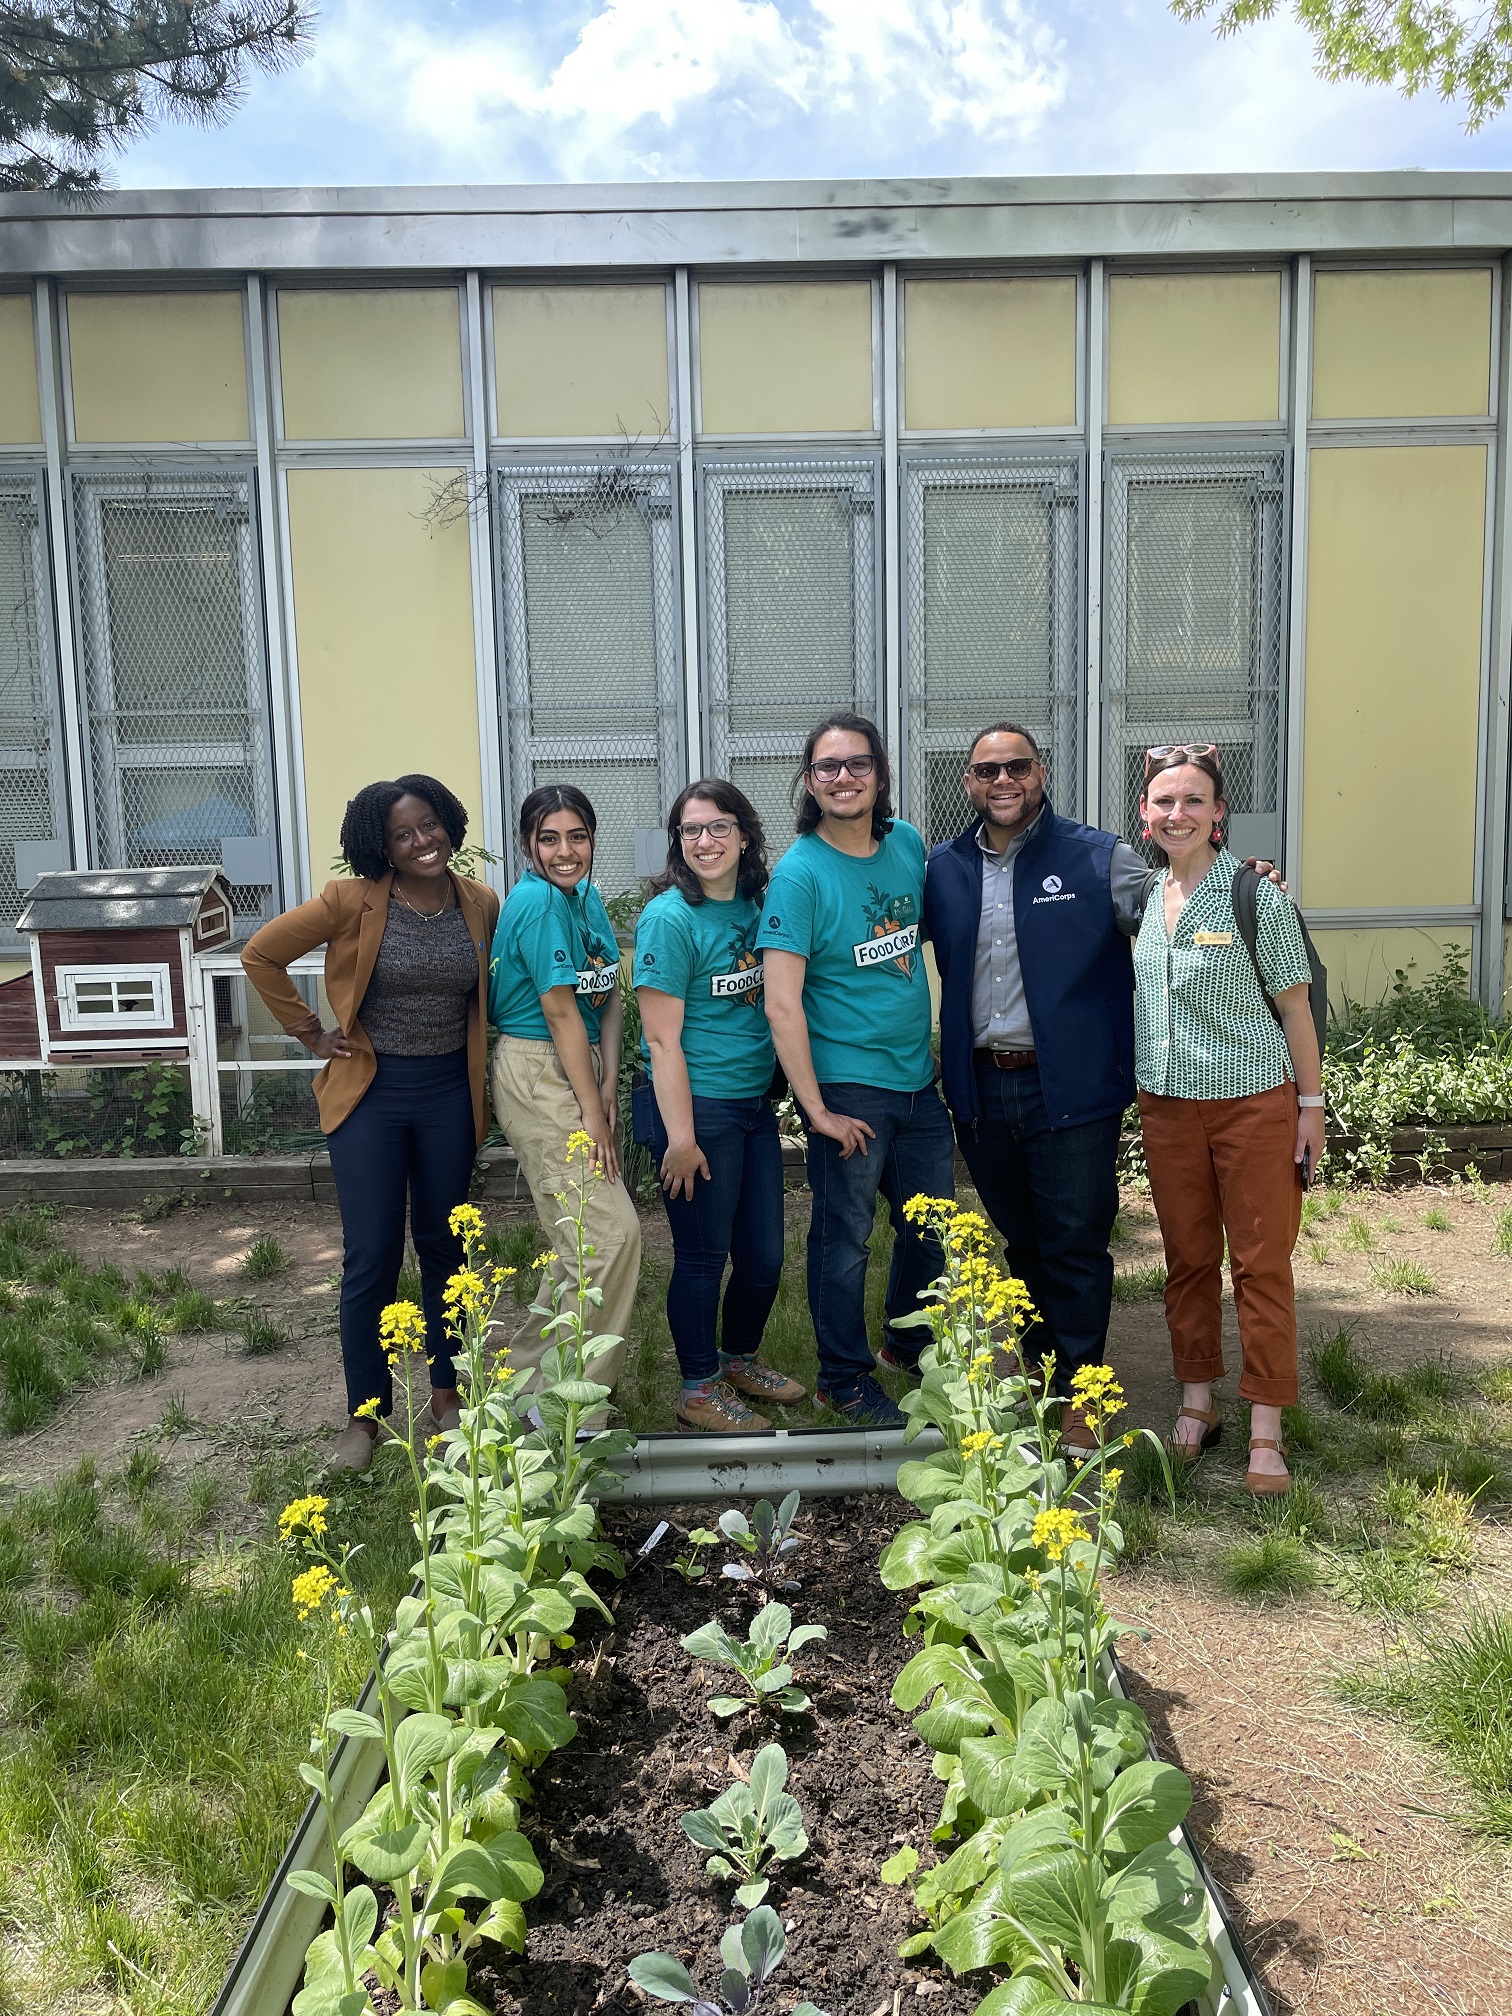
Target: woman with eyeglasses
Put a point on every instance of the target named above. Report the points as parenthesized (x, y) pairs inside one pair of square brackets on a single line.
[(1231, 1107), (554, 996), (703, 1106)]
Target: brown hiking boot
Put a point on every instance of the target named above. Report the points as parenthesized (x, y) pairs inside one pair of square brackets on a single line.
[(720, 1411), (757, 1380)]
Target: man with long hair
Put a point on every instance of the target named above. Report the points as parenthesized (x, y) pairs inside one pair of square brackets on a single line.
[(847, 997)]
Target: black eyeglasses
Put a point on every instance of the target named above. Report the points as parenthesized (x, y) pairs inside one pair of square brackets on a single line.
[(828, 768), (717, 829), (1017, 767)]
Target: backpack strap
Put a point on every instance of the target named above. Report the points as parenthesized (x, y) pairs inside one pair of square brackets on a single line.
[(1244, 896)]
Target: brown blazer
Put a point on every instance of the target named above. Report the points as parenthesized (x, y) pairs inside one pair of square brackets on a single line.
[(348, 917)]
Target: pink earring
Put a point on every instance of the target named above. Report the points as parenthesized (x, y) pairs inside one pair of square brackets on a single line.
[(1147, 832)]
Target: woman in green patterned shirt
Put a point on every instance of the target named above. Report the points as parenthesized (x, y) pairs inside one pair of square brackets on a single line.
[(1227, 1136)]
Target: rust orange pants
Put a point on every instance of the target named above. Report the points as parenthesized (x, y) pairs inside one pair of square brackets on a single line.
[(1225, 1165)]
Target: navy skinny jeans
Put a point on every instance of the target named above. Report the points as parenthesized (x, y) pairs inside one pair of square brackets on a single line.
[(913, 1153), (411, 1132), (735, 1216), (1053, 1194)]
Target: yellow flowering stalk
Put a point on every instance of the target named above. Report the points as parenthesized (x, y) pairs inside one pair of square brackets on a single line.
[(303, 1515), (312, 1588), (401, 1329), (1057, 1529)]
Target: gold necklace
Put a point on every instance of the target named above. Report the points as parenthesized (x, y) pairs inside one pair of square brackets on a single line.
[(430, 916)]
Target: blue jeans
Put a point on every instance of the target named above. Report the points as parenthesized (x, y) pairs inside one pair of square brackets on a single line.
[(912, 1153), (411, 1131), (1053, 1194), (735, 1216)]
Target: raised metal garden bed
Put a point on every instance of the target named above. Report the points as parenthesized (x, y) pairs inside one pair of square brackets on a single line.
[(660, 1469)]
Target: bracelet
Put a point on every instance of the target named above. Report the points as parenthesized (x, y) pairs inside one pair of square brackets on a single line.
[(1302, 1101)]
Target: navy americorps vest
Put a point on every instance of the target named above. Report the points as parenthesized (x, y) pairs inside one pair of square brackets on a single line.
[(1077, 967)]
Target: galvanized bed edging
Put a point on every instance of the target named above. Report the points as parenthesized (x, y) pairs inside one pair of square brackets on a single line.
[(661, 1469)]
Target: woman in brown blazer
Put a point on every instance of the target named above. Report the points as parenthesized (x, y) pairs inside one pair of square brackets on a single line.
[(403, 1096)]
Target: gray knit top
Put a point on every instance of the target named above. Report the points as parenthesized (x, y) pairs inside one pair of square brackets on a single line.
[(425, 975)]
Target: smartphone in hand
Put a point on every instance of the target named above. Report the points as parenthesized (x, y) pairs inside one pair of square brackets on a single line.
[(1304, 1167)]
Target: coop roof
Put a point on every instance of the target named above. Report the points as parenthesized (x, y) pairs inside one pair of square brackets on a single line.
[(115, 899)]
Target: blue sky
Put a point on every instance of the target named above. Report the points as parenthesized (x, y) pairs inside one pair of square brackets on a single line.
[(414, 91)]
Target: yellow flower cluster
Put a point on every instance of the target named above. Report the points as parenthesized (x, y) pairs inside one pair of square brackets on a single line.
[(303, 1515), (979, 1369), (919, 1209), (1098, 1394), (466, 1223), (543, 1259), (579, 1142), (1057, 1529), (467, 1294), (401, 1328), (311, 1590), (368, 1411), (975, 1444)]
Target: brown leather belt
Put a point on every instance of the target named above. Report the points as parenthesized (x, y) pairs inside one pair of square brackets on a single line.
[(1005, 1060)]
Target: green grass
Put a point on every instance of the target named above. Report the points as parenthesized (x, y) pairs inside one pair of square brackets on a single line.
[(1438, 1220), (1338, 1367), (1453, 1688), (261, 1336), (1139, 1284), (1397, 1275), (155, 1712), (1358, 1236), (265, 1258), (1274, 1568), (191, 1312), (1495, 1385), (515, 1244)]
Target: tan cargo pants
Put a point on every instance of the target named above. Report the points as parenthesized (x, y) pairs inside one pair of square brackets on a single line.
[(538, 1109)]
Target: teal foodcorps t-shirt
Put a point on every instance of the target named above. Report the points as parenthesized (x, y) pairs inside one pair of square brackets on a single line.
[(706, 953), (856, 922), (547, 938)]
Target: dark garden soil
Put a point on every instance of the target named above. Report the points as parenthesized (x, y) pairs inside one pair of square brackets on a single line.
[(621, 1876)]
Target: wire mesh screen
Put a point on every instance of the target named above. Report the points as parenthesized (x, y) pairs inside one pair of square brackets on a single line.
[(268, 1112), (791, 585), (173, 670), (592, 659), (1194, 598), (993, 595), (125, 1110), (31, 747)]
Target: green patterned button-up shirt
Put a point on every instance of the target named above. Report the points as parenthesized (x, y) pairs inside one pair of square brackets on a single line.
[(1202, 1027)]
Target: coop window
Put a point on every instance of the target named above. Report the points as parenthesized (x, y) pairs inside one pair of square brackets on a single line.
[(93, 998)]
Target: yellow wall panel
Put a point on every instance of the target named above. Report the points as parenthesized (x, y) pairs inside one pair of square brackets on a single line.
[(12, 969), (1363, 964), (158, 367), (1401, 344), (989, 353), (384, 629), (1193, 347), (1394, 564), (581, 360), (20, 413), (371, 363), (786, 358)]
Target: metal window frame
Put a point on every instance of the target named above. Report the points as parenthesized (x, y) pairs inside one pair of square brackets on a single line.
[(774, 276), (1021, 467), (211, 281), (781, 469), (1213, 455), (437, 447), (1337, 432), (1200, 430), (544, 444), (667, 746), (90, 486), (28, 480)]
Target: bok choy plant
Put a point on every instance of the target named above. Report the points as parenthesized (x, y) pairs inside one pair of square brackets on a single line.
[(749, 1826), (751, 1954), (762, 1660)]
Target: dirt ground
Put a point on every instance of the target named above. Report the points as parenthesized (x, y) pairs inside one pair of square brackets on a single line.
[(1326, 1828)]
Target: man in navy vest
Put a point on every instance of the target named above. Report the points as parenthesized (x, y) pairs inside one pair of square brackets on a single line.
[(1030, 916)]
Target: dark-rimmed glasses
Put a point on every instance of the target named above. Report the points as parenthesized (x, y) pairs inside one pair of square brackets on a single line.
[(828, 768), (1016, 767), (1184, 752), (717, 829)]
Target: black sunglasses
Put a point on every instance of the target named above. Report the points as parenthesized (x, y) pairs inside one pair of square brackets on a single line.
[(1017, 767)]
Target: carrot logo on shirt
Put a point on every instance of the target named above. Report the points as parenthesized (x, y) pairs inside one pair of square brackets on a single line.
[(894, 933), (744, 979), (596, 979)]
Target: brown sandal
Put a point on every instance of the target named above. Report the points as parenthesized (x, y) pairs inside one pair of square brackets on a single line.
[(1212, 1434), (1260, 1482)]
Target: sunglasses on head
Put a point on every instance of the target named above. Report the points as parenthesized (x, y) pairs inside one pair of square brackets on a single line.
[(1016, 767), (1181, 752)]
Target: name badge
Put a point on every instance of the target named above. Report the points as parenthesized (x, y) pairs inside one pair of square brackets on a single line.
[(1212, 937)]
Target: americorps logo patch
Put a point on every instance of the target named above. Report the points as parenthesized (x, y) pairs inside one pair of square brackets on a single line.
[(1051, 885)]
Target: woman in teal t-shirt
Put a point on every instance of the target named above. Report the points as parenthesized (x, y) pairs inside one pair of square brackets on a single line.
[(704, 1107), (553, 994)]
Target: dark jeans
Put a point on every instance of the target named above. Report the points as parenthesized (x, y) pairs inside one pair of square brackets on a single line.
[(912, 1153), (412, 1131), (1053, 1194), (735, 1216)]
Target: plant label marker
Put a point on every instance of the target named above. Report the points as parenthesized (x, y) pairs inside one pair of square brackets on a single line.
[(657, 1533)]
